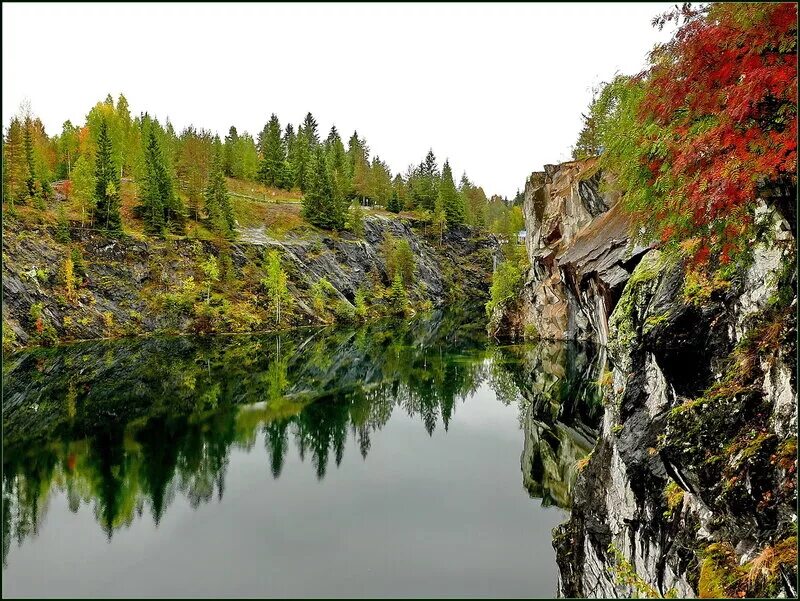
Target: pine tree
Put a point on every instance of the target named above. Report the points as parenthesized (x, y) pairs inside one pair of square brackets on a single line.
[(152, 203), (246, 161), (218, 205), (425, 182), (475, 202), (270, 172), (305, 149), (354, 221), (159, 205), (194, 164), (107, 188), (380, 182), (128, 139), (231, 141), (319, 205), (400, 189), (394, 205), (30, 165), (289, 139), (452, 202), (310, 130), (338, 168), (261, 140), (357, 156), (397, 297), (62, 225), (300, 159), (14, 165)]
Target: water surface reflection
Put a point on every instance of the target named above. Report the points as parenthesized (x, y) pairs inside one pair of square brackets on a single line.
[(419, 419)]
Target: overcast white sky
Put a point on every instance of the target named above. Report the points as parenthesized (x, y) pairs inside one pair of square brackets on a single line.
[(496, 88)]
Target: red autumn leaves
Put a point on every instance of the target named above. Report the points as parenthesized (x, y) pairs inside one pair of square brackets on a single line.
[(724, 93)]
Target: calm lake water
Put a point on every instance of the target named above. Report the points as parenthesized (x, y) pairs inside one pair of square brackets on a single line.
[(401, 458)]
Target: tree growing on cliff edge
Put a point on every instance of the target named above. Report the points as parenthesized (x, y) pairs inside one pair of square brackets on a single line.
[(589, 142), (107, 186), (726, 88), (354, 219), (476, 204), (399, 259), (693, 138)]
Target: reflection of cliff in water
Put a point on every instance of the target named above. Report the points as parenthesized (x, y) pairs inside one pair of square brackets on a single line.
[(125, 427), (560, 411)]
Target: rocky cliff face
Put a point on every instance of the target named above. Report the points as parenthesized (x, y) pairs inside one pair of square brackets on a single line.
[(128, 286), (579, 251), (691, 488)]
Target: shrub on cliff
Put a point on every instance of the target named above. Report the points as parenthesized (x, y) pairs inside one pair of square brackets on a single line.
[(506, 283), (275, 284)]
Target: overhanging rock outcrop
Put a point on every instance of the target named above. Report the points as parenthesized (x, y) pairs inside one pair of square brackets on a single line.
[(580, 255)]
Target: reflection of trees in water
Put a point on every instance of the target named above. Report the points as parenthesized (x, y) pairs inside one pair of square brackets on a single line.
[(130, 425)]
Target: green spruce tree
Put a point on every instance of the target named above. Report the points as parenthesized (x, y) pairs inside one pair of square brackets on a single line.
[(30, 164), (319, 205), (452, 202), (231, 143), (310, 130), (338, 169), (160, 207), (397, 297), (300, 159), (107, 187), (289, 139), (394, 205), (270, 171), (14, 164), (218, 205), (424, 183)]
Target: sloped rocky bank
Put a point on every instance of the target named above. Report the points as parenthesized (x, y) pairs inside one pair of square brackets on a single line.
[(130, 286)]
